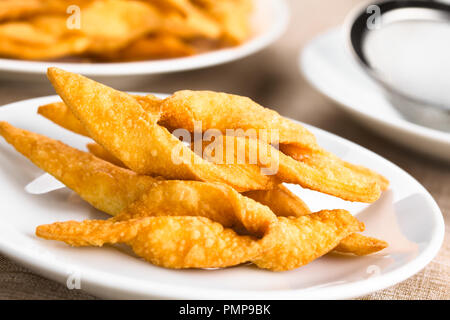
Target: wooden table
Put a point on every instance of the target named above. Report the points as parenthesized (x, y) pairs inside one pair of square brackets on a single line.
[(272, 78)]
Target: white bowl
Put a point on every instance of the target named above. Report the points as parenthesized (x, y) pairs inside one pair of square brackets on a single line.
[(334, 72)]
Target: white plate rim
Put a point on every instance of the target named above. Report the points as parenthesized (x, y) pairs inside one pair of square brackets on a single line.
[(404, 125), (281, 19), (92, 278)]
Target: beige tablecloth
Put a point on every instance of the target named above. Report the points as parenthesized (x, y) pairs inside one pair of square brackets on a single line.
[(271, 77)]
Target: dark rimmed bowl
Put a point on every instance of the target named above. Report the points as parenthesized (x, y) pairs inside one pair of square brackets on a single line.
[(420, 111)]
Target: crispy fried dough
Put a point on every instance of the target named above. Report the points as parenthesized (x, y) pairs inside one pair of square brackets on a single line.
[(180, 224), (187, 21), (112, 24), (62, 116), (360, 245), (112, 189), (281, 201), (156, 46), (119, 30), (105, 186), (233, 16), (41, 37), (13, 9), (105, 26), (59, 113), (291, 168), (171, 242), (310, 163), (148, 148), (70, 45), (197, 242), (183, 108), (217, 202), (34, 32), (343, 184), (142, 144), (100, 152), (322, 159), (304, 239)]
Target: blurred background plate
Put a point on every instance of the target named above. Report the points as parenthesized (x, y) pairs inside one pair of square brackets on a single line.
[(269, 21), (328, 66)]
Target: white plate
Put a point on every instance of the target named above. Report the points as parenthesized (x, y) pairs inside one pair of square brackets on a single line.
[(406, 216), (269, 20), (326, 63)]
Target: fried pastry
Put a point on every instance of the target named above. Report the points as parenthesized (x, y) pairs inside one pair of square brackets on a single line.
[(148, 148), (105, 186), (223, 203), (171, 242), (198, 242), (126, 195), (141, 144), (119, 30)]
